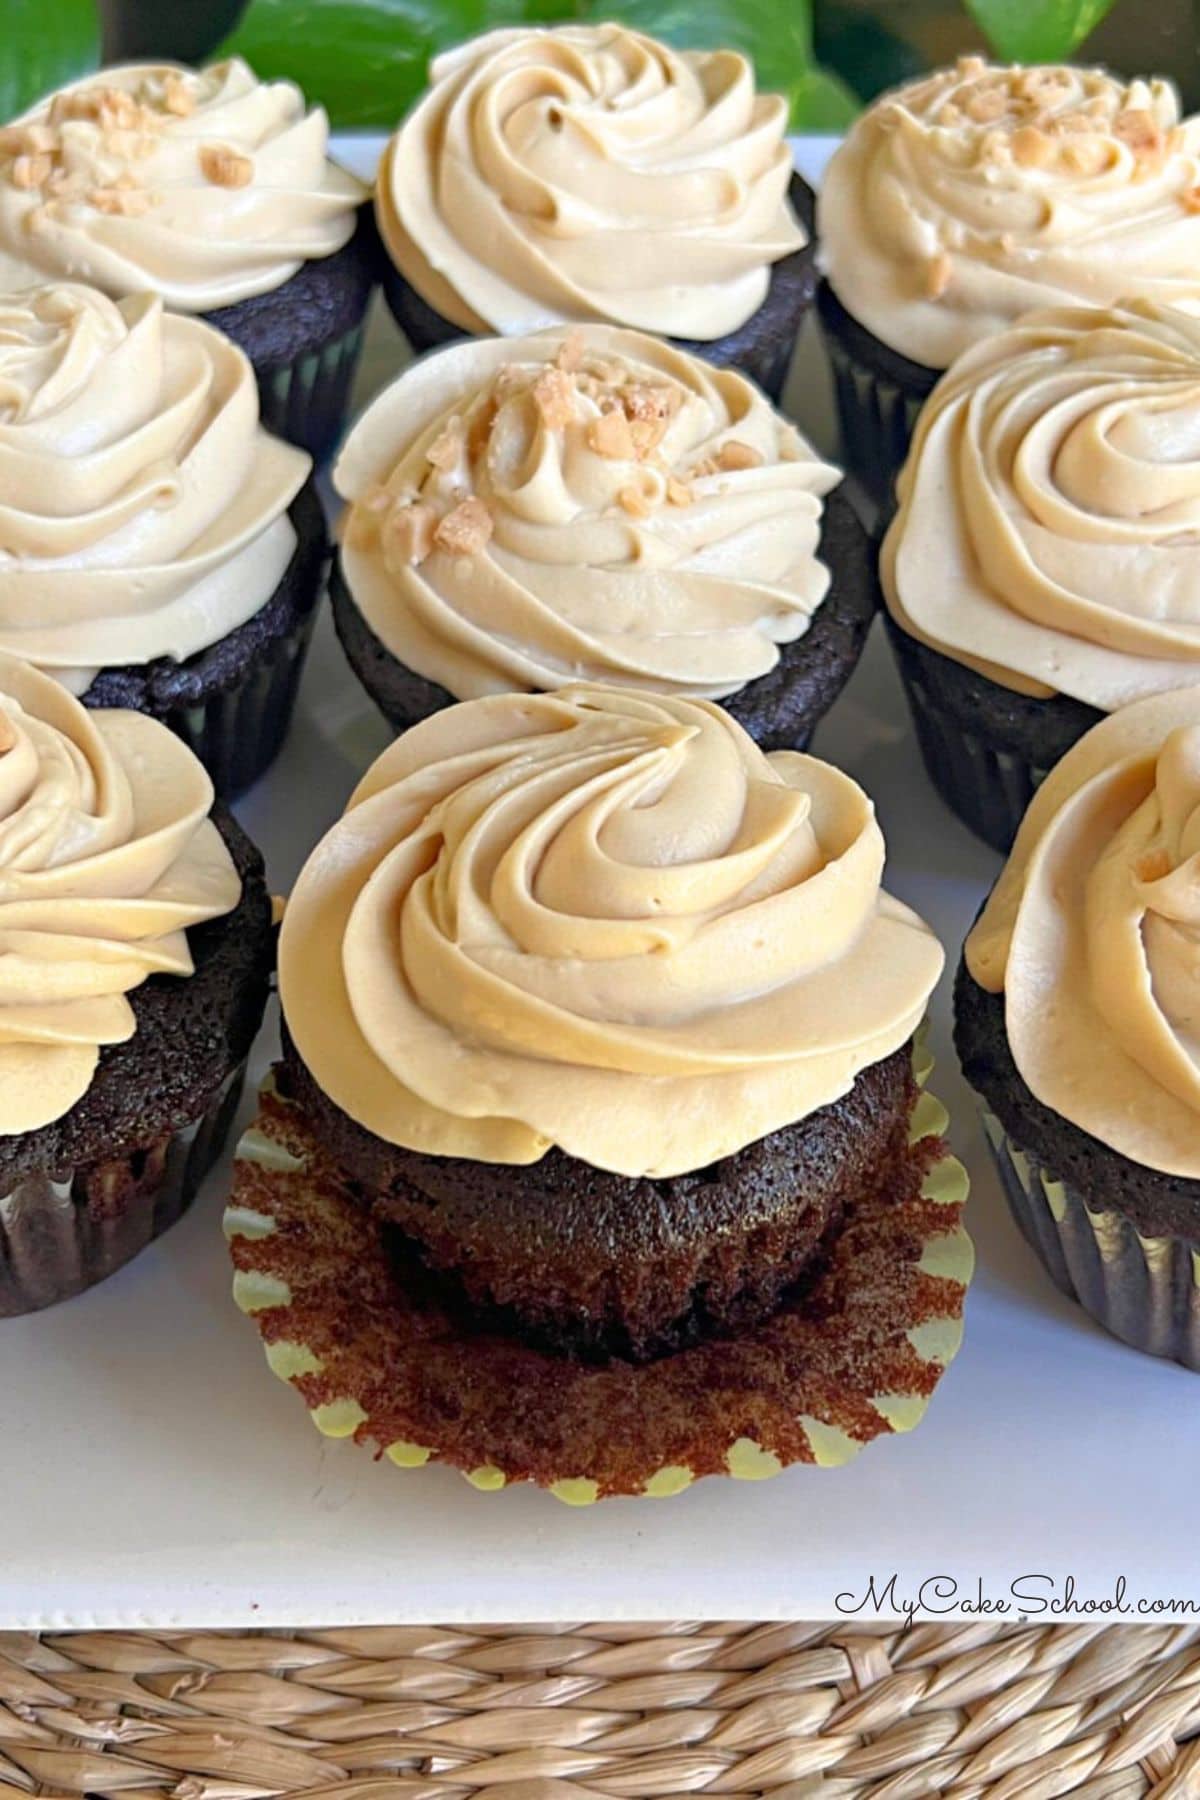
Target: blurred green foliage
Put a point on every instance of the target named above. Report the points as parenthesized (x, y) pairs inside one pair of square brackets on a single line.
[(42, 44)]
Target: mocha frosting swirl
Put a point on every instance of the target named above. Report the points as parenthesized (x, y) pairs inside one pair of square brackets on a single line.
[(143, 511), (602, 921), (970, 197), (589, 172), (1093, 936), (204, 187), (107, 857), (1048, 515), (640, 518)]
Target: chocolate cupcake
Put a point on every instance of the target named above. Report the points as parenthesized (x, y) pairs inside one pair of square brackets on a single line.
[(590, 503), (213, 190), (1040, 570), (1076, 1020), (975, 194), (161, 551), (137, 952), (596, 1156), (588, 173)]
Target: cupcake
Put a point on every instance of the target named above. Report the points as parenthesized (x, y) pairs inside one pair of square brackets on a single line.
[(587, 173), (160, 550), (976, 194), (1041, 568), (1076, 1022), (215, 191), (137, 951), (595, 1156), (590, 503)]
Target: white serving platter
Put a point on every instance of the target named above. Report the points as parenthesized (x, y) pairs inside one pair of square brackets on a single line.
[(153, 1473)]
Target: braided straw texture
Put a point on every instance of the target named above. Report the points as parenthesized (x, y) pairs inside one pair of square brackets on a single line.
[(794, 1712)]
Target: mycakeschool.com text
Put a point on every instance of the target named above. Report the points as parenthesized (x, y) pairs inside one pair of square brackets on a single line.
[(1028, 1596)]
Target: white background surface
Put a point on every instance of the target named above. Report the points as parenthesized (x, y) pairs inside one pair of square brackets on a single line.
[(152, 1471)]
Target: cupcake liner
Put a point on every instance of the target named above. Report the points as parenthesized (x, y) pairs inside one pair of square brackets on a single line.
[(306, 401), (876, 412), (58, 1238), (1145, 1290), (238, 732), (853, 1355)]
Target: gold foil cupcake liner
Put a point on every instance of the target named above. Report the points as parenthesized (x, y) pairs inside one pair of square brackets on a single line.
[(1145, 1290), (854, 1355)]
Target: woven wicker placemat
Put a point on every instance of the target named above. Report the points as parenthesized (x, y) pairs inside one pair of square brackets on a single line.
[(566, 1712)]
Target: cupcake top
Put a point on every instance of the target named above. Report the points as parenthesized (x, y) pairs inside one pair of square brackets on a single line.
[(602, 921), (971, 196), (107, 857), (204, 187), (1093, 936), (1049, 511), (589, 172), (143, 511), (588, 504)]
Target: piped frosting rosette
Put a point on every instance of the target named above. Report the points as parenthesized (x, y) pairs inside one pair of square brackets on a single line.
[(107, 857), (581, 504), (1092, 934), (203, 187), (143, 511), (1048, 515), (978, 193), (599, 921), (589, 172)]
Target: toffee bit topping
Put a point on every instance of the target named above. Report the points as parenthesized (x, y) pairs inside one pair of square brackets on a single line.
[(634, 501), (937, 275), (447, 446), (1031, 148), (678, 492), (123, 199), (610, 436), (735, 455), (225, 167), (1190, 201), (465, 530), (1140, 131), (1152, 866), (554, 397), (986, 106), (30, 171), (177, 96), (408, 533), (570, 353)]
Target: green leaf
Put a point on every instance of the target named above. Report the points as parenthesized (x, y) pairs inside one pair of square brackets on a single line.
[(366, 61), (44, 43), (775, 34), (1037, 30)]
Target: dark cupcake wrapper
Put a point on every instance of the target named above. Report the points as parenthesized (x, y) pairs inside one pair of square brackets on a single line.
[(58, 1238), (877, 409), (238, 732), (306, 401), (1145, 1290)]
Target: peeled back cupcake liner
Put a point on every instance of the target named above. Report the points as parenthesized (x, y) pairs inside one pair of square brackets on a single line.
[(877, 403), (61, 1235), (855, 1353), (762, 348), (1144, 1290), (987, 783)]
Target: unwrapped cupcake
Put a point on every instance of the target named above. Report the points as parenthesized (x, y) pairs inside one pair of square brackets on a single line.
[(137, 945), (215, 191), (976, 194), (590, 503), (1077, 1006), (1042, 567), (596, 1155), (590, 173), (159, 549)]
